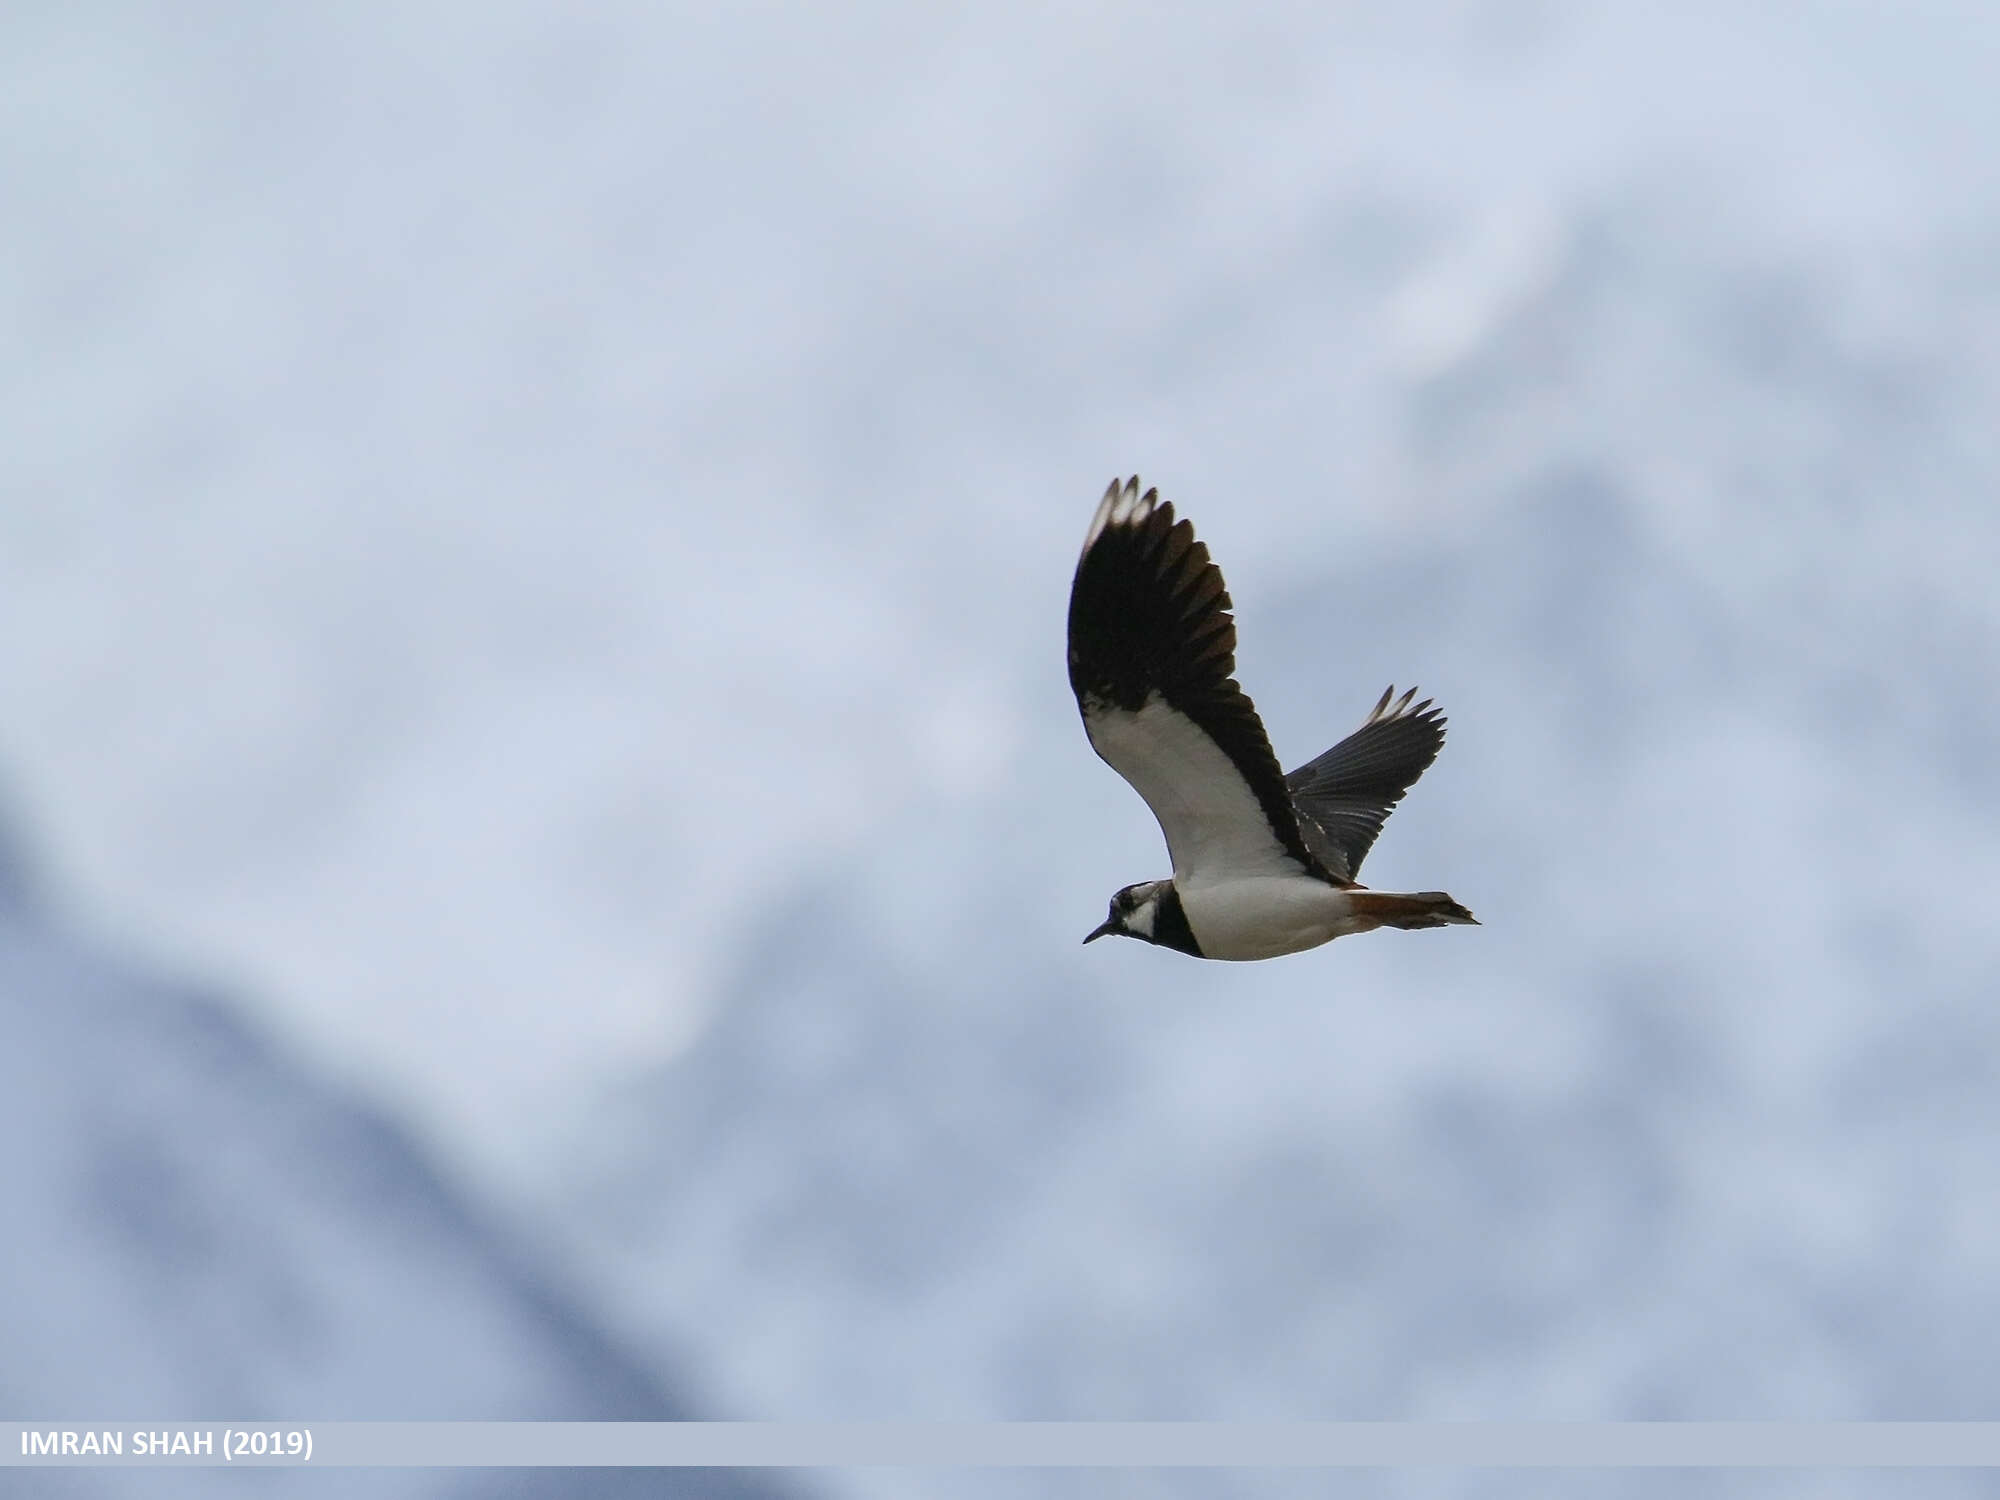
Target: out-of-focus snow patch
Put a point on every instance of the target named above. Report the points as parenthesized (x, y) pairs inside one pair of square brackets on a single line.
[(966, 735), (1449, 306)]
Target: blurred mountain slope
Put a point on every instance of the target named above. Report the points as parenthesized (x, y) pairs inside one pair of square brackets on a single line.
[(199, 1227)]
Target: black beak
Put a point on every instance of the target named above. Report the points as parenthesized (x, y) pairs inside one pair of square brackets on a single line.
[(1110, 926)]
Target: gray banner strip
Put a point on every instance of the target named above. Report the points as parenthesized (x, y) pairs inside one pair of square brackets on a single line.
[(1008, 1444)]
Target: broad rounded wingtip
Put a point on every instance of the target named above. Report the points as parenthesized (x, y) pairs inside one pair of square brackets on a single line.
[(1117, 495), (1123, 500), (1389, 706)]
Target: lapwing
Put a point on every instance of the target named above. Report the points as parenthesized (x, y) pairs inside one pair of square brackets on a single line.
[(1264, 863)]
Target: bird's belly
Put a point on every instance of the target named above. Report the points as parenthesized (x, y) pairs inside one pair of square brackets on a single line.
[(1265, 916)]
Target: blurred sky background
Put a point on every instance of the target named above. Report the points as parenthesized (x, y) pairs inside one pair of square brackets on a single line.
[(533, 547)]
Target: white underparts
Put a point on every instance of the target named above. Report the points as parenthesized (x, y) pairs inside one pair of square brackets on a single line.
[(1264, 916)]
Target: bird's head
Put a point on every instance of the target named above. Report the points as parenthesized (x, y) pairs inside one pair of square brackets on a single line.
[(1134, 912)]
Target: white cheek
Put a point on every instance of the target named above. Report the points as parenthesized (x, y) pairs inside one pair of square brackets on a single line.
[(1141, 920)]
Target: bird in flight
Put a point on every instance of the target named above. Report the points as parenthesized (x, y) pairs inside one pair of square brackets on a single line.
[(1264, 863)]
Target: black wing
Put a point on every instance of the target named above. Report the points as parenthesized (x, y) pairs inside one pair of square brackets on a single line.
[(1152, 657), (1346, 795)]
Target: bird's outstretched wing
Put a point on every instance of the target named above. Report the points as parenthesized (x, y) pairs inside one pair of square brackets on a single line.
[(1345, 796), (1152, 657)]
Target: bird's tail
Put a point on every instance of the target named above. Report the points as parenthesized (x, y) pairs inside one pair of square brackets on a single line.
[(1409, 910)]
